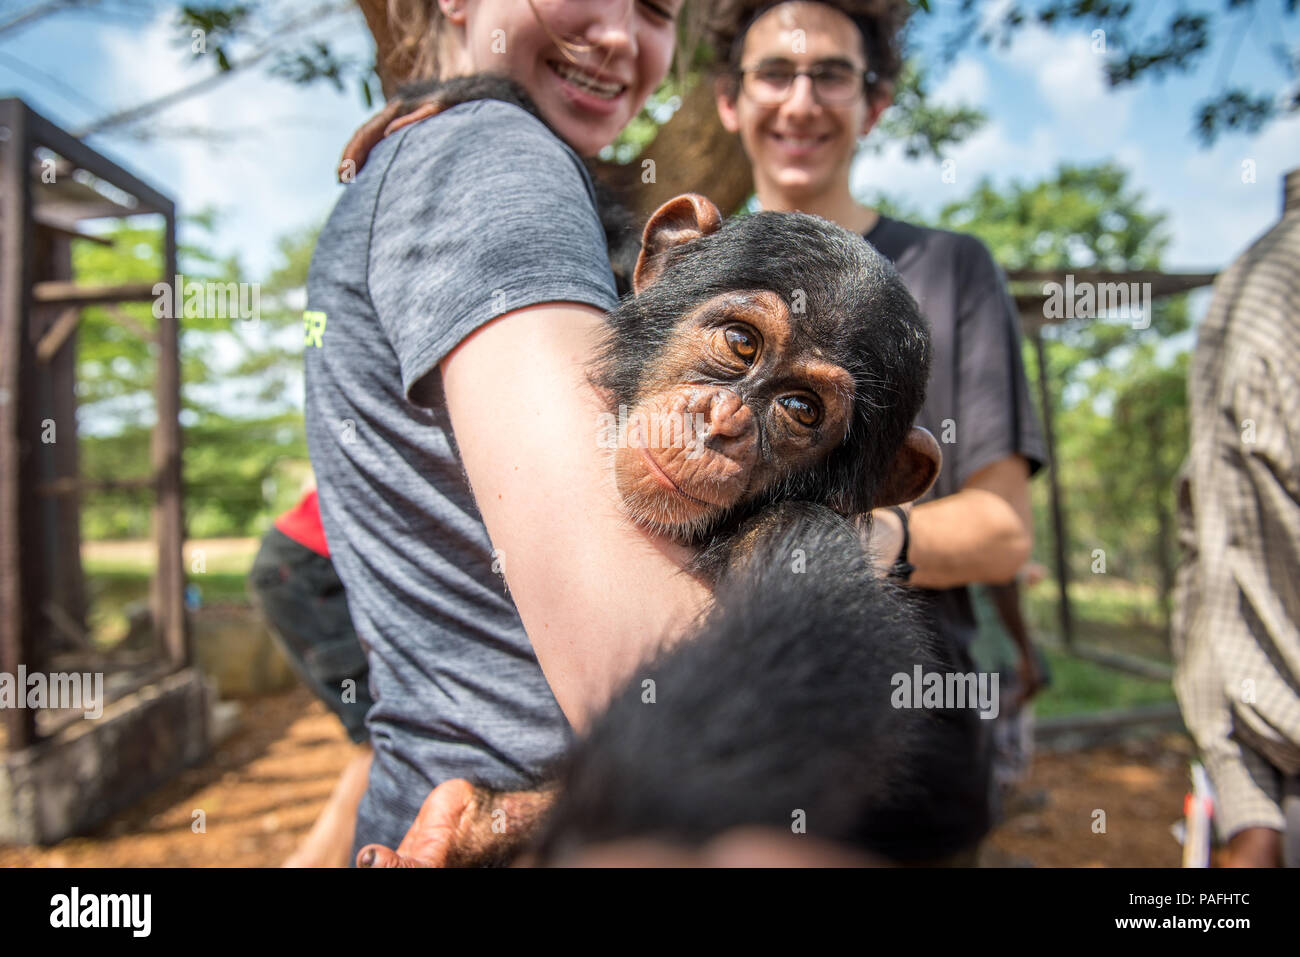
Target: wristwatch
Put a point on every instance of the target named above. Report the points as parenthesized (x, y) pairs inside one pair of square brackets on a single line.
[(902, 569)]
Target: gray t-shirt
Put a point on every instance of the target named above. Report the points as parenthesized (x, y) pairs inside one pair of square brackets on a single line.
[(453, 222), (977, 404)]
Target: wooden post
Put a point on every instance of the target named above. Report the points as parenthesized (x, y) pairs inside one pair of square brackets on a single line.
[(56, 551), (15, 280), (169, 578), (1034, 327)]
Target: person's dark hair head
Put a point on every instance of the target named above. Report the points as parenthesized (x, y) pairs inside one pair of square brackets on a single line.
[(783, 702), (880, 24)]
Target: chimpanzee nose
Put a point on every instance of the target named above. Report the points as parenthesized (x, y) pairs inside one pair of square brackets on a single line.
[(728, 415), (731, 426)]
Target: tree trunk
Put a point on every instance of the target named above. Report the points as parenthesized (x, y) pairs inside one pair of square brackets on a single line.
[(692, 153)]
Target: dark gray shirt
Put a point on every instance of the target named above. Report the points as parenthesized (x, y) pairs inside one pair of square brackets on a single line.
[(453, 222), (977, 404)]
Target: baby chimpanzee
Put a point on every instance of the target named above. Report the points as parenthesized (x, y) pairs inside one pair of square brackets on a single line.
[(770, 358), (783, 712), (774, 357)]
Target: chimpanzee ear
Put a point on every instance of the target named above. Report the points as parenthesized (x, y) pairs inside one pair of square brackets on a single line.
[(677, 221), (913, 471)]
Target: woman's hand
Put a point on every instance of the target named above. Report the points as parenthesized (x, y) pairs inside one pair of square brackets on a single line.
[(1254, 847)]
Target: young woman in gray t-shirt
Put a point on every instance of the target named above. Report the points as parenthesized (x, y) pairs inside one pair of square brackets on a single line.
[(452, 304)]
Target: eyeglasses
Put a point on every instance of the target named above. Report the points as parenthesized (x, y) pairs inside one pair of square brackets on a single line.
[(833, 84)]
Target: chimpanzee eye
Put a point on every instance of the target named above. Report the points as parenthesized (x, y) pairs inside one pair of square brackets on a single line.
[(742, 342), (805, 412)]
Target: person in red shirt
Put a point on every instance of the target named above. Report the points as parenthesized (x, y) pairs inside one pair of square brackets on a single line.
[(302, 523), (294, 586)]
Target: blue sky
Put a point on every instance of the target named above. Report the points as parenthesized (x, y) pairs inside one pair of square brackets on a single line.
[(272, 170)]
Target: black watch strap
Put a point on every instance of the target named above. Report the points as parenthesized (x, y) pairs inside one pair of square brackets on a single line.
[(902, 569)]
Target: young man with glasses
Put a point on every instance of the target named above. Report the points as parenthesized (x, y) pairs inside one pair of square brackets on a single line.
[(802, 83)]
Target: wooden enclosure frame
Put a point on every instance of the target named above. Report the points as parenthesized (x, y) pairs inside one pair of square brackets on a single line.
[(38, 319)]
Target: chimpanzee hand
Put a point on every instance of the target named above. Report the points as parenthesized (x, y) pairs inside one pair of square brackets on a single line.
[(418, 101), (396, 114), (460, 825)]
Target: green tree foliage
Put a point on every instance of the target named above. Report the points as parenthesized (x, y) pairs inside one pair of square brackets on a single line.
[(297, 41), (1119, 392), (241, 420), (924, 127)]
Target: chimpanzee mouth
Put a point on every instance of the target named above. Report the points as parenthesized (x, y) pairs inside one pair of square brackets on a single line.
[(662, 478)]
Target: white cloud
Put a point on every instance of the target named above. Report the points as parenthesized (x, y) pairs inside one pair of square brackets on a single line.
[(281, 177), (966, 84), (991, 152), (274, 170), (1068, 74), (1215, 213), (1062, 109)]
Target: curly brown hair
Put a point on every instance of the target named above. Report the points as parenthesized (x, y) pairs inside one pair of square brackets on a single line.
[(880, 22)]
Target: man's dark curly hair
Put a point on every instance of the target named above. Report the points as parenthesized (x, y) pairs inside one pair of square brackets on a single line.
[(880, 22)]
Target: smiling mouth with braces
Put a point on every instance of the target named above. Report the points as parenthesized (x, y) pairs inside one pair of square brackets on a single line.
[(585, 81)]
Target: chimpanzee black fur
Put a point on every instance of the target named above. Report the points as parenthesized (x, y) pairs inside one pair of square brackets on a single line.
[(782, 702)]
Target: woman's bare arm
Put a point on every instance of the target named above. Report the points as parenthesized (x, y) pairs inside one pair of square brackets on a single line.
[(595, 592)]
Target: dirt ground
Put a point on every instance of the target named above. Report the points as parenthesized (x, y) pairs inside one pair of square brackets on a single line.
[(263, 787), (260, 791), (1054, 820)]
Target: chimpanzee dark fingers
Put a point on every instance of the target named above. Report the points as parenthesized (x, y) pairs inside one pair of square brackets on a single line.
[(364, 139)]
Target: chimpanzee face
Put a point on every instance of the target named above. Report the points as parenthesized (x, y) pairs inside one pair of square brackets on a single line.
[(776, 357), (733, 404)]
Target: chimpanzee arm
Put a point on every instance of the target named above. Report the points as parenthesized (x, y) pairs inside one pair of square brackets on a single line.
[(430, 97), (1006, 599), (463, 89), (418, 101), (460, 825)]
